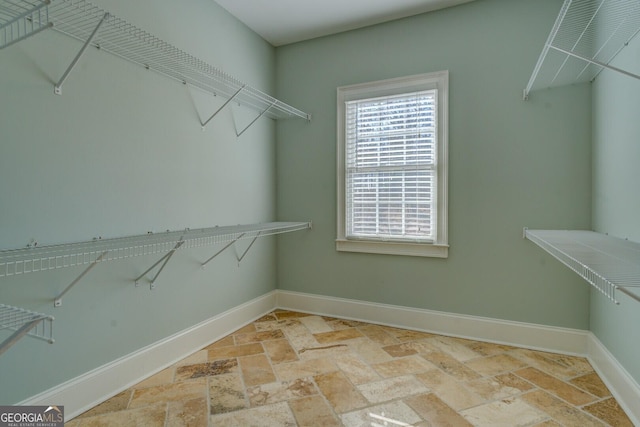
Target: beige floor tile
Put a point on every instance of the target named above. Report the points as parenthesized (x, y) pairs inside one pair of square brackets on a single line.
[(409, 348), (378, 335), (356, 370), (276, 415), (453, 348), (451, 391), (540, 360), (388, 414), (609, 411), (567, 415), (297, 369), (267, 394), (177, 392), (253, 337), (339, 392), (337, 336), (494, 365), (235, 351), (435, 411), (192, 413), (256, 370), (499, 387), (209, 369), (313, 411), (226, 394), (280, 351), (369, 351), (198, 357), (558, 388), (166, 376), (451, 366), (303, 368), (404, 335), (392, 388), (591, 383), (315, 324), (119, 402), (511, 412), (403, 366), (148, 416)]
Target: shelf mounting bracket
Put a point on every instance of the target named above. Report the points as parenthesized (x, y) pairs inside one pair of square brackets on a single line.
[(15, 337), (256, 119), (223, 105), (248, 247), (57, 302), (166, 259), (58, 87), (204, 264)]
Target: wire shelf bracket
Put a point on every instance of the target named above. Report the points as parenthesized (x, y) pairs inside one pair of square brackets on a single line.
[(241, 257), (51, 257), (93, 26), (22, 19), (586, 36), (166, 259), (608, 263), (58, 87), (24, 322)]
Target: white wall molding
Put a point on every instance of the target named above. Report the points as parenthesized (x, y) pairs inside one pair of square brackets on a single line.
[(539, 337), (85, 391), (621, 384)]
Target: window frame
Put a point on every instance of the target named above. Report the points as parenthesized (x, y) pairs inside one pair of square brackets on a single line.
[(436, 80)]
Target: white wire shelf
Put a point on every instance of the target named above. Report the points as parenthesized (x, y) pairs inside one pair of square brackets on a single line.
[(42, 258), (24, 322), (90, 24), (20, 19), (608, 263), (585, 38)]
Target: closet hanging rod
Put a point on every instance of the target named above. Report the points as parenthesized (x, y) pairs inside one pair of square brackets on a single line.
[(76, 18)]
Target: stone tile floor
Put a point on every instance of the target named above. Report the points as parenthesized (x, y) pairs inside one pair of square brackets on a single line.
[(295, 369)]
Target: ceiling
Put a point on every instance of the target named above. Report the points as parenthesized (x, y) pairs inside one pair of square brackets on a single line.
[(282, 22)]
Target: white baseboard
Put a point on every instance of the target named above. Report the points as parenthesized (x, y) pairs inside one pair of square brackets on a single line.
[(85, 391), (621, 384), (539, 337)]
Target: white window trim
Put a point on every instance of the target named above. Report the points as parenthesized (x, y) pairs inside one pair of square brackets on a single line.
[(439, 80)]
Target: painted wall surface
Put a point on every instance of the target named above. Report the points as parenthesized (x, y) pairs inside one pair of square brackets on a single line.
[(616, 200), (121, 152), (512, 164)]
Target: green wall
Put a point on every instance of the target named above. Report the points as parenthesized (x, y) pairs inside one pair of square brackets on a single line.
[(616, 201), (512, 164), (121, 152)]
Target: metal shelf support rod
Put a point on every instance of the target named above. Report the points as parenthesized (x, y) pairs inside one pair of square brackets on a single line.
[(204, 264), (57, 302), (15, 337), (166, 259), (256, 119), (223, 105), (248, 247), (58, 87), (594, 62)]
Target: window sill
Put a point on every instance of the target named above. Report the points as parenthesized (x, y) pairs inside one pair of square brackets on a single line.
[(393, 248)]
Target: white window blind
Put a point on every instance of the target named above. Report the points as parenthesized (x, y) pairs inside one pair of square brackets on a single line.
[(391, 167)]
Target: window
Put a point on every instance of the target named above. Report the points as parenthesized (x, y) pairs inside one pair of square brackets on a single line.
[(392, 166)]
